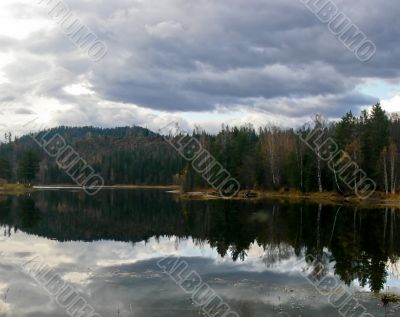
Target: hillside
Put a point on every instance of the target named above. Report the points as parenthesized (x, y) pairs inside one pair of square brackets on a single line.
[(123, 155)]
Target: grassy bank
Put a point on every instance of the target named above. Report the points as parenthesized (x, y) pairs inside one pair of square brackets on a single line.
[(167, 187), (377, 200), (14, 189)]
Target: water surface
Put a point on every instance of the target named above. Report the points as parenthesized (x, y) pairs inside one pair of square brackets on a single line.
[(252, 254)]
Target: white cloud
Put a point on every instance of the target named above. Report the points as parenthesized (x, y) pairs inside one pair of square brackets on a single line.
[(204, 63), (165, 29), (20, 18), (79, 89), (391, 104)]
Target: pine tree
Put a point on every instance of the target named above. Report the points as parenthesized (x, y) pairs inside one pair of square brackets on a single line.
[(28, 166), (376, 138), (5, 169)]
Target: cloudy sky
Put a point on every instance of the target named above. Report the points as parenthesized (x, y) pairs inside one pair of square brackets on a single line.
[(199, 62)]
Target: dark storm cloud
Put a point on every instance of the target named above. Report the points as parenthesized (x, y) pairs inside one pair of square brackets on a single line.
[(179, 55)]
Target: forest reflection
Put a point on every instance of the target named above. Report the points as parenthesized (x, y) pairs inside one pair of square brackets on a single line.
[(362, 244)]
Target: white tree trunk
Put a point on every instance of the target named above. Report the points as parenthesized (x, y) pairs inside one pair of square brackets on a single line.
[(393, 154), (319, 170), (385, 174)]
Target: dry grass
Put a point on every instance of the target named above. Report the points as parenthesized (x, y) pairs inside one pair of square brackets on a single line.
[(378, 200), (14, 189), (388, 298)]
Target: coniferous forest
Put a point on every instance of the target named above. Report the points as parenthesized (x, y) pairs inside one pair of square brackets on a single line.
[(270, 158)]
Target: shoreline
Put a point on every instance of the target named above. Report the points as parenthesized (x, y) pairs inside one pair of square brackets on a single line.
[(15, 189), (55, 187), (21, 189), (378, 200)]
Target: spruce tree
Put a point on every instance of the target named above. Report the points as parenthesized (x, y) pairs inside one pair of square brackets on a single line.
[(28, 166)]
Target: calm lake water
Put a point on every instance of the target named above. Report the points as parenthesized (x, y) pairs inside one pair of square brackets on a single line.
[(252, 254)]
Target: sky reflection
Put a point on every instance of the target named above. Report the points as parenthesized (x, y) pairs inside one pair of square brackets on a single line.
[(120, 276)]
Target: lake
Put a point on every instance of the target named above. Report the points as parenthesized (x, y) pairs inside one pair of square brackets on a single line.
[(131, 252)]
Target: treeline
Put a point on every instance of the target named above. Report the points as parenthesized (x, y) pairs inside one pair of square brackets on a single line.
[(126, 155), (274, 158), (270, 158)]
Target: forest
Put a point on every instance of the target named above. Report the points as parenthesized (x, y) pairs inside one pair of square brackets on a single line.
[(269, 158)]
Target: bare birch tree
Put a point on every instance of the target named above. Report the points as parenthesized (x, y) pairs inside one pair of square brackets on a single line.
[(393, 158), (385, 171)]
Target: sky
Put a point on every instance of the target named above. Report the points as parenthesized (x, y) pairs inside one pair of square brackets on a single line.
[(202, 62)]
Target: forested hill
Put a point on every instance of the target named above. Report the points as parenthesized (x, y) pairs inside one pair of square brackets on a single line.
[(123, 155), (79, 133), (268, 158)]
